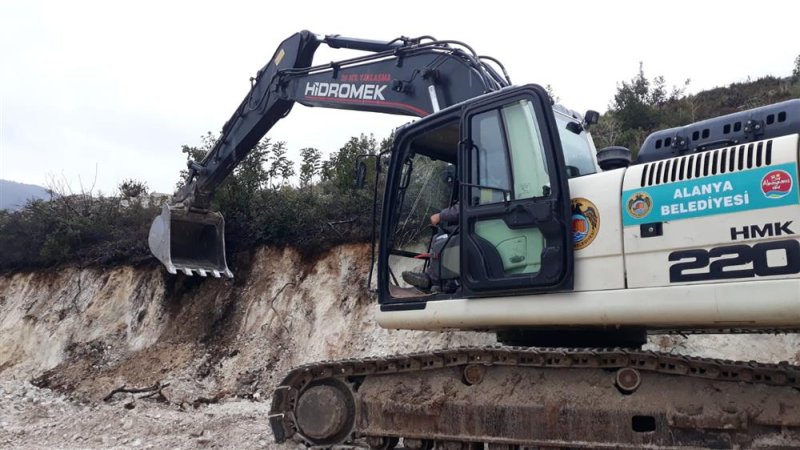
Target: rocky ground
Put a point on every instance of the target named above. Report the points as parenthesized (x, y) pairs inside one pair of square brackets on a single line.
[(31, 417), (205, 354)]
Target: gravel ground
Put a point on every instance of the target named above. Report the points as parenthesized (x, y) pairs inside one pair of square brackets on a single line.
[(32, 418)]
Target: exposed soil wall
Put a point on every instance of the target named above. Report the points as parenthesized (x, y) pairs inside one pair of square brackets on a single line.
[(88, 331), (78, 334)]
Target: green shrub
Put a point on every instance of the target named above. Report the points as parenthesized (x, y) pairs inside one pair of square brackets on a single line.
[(80, 229)]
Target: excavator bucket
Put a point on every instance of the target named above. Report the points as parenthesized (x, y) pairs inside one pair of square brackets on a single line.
[(190, 242)]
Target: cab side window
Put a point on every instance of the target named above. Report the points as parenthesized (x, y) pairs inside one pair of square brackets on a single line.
[(526, 150), (490, 159)]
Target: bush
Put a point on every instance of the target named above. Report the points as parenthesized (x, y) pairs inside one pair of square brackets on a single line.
[(259, 205), (81, 229)]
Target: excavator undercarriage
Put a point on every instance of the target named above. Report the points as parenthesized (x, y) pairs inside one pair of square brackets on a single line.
[(514, 397)]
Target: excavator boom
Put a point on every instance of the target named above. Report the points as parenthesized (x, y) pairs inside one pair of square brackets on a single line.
[(413, 77)]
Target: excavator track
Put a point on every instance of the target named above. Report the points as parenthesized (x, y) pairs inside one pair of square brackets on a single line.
[(515, 397)]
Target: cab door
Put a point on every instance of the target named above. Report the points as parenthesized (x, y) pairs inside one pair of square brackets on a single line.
[(514, 197)]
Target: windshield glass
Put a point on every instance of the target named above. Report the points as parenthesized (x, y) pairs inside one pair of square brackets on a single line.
[(426, 193), (577, 151)]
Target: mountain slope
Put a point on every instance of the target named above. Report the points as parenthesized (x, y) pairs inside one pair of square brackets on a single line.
[(14, 195)]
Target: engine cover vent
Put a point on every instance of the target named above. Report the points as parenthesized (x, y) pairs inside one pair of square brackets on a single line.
[(698, 165), (743, 127)]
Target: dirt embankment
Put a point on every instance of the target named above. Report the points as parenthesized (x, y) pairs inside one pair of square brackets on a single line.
[(84, 333), (211, 351)]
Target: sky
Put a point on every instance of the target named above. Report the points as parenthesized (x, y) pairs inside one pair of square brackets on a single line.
[(92, 93)]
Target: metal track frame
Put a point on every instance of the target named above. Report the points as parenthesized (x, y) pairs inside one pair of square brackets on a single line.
[(522, 397)]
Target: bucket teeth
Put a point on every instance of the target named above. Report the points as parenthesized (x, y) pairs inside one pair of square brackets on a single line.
[(189, 241)]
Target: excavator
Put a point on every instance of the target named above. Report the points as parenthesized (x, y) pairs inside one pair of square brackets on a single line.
[(569, 255)]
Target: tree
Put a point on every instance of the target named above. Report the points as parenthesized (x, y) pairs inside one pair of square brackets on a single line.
[(196, 153), (641, 106), (552, 93), (237, 192), (632, 104), (250, 173), (796, 70), (287, 170), (340, 168), (131, 188), (310, 165), (280, 165), (607, 131)]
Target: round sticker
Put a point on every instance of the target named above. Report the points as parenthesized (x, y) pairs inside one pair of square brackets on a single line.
[(776, 184), (585, 222), (639, 204)]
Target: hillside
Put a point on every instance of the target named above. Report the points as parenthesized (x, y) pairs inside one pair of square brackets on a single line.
[(643, 105), (14, 196)]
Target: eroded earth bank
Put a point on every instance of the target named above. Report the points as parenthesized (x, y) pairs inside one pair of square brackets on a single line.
[(206, 353)]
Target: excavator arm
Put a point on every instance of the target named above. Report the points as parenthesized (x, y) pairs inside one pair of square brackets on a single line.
[(414, 77)]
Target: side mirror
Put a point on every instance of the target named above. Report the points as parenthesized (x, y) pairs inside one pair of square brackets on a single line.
[(361, 174), (611, 158), (590, 118), (575, 127)]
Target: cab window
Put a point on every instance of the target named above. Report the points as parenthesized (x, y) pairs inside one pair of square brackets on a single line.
[(490, 156)]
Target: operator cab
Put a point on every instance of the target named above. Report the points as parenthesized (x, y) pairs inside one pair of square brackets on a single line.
[(503, 160)]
